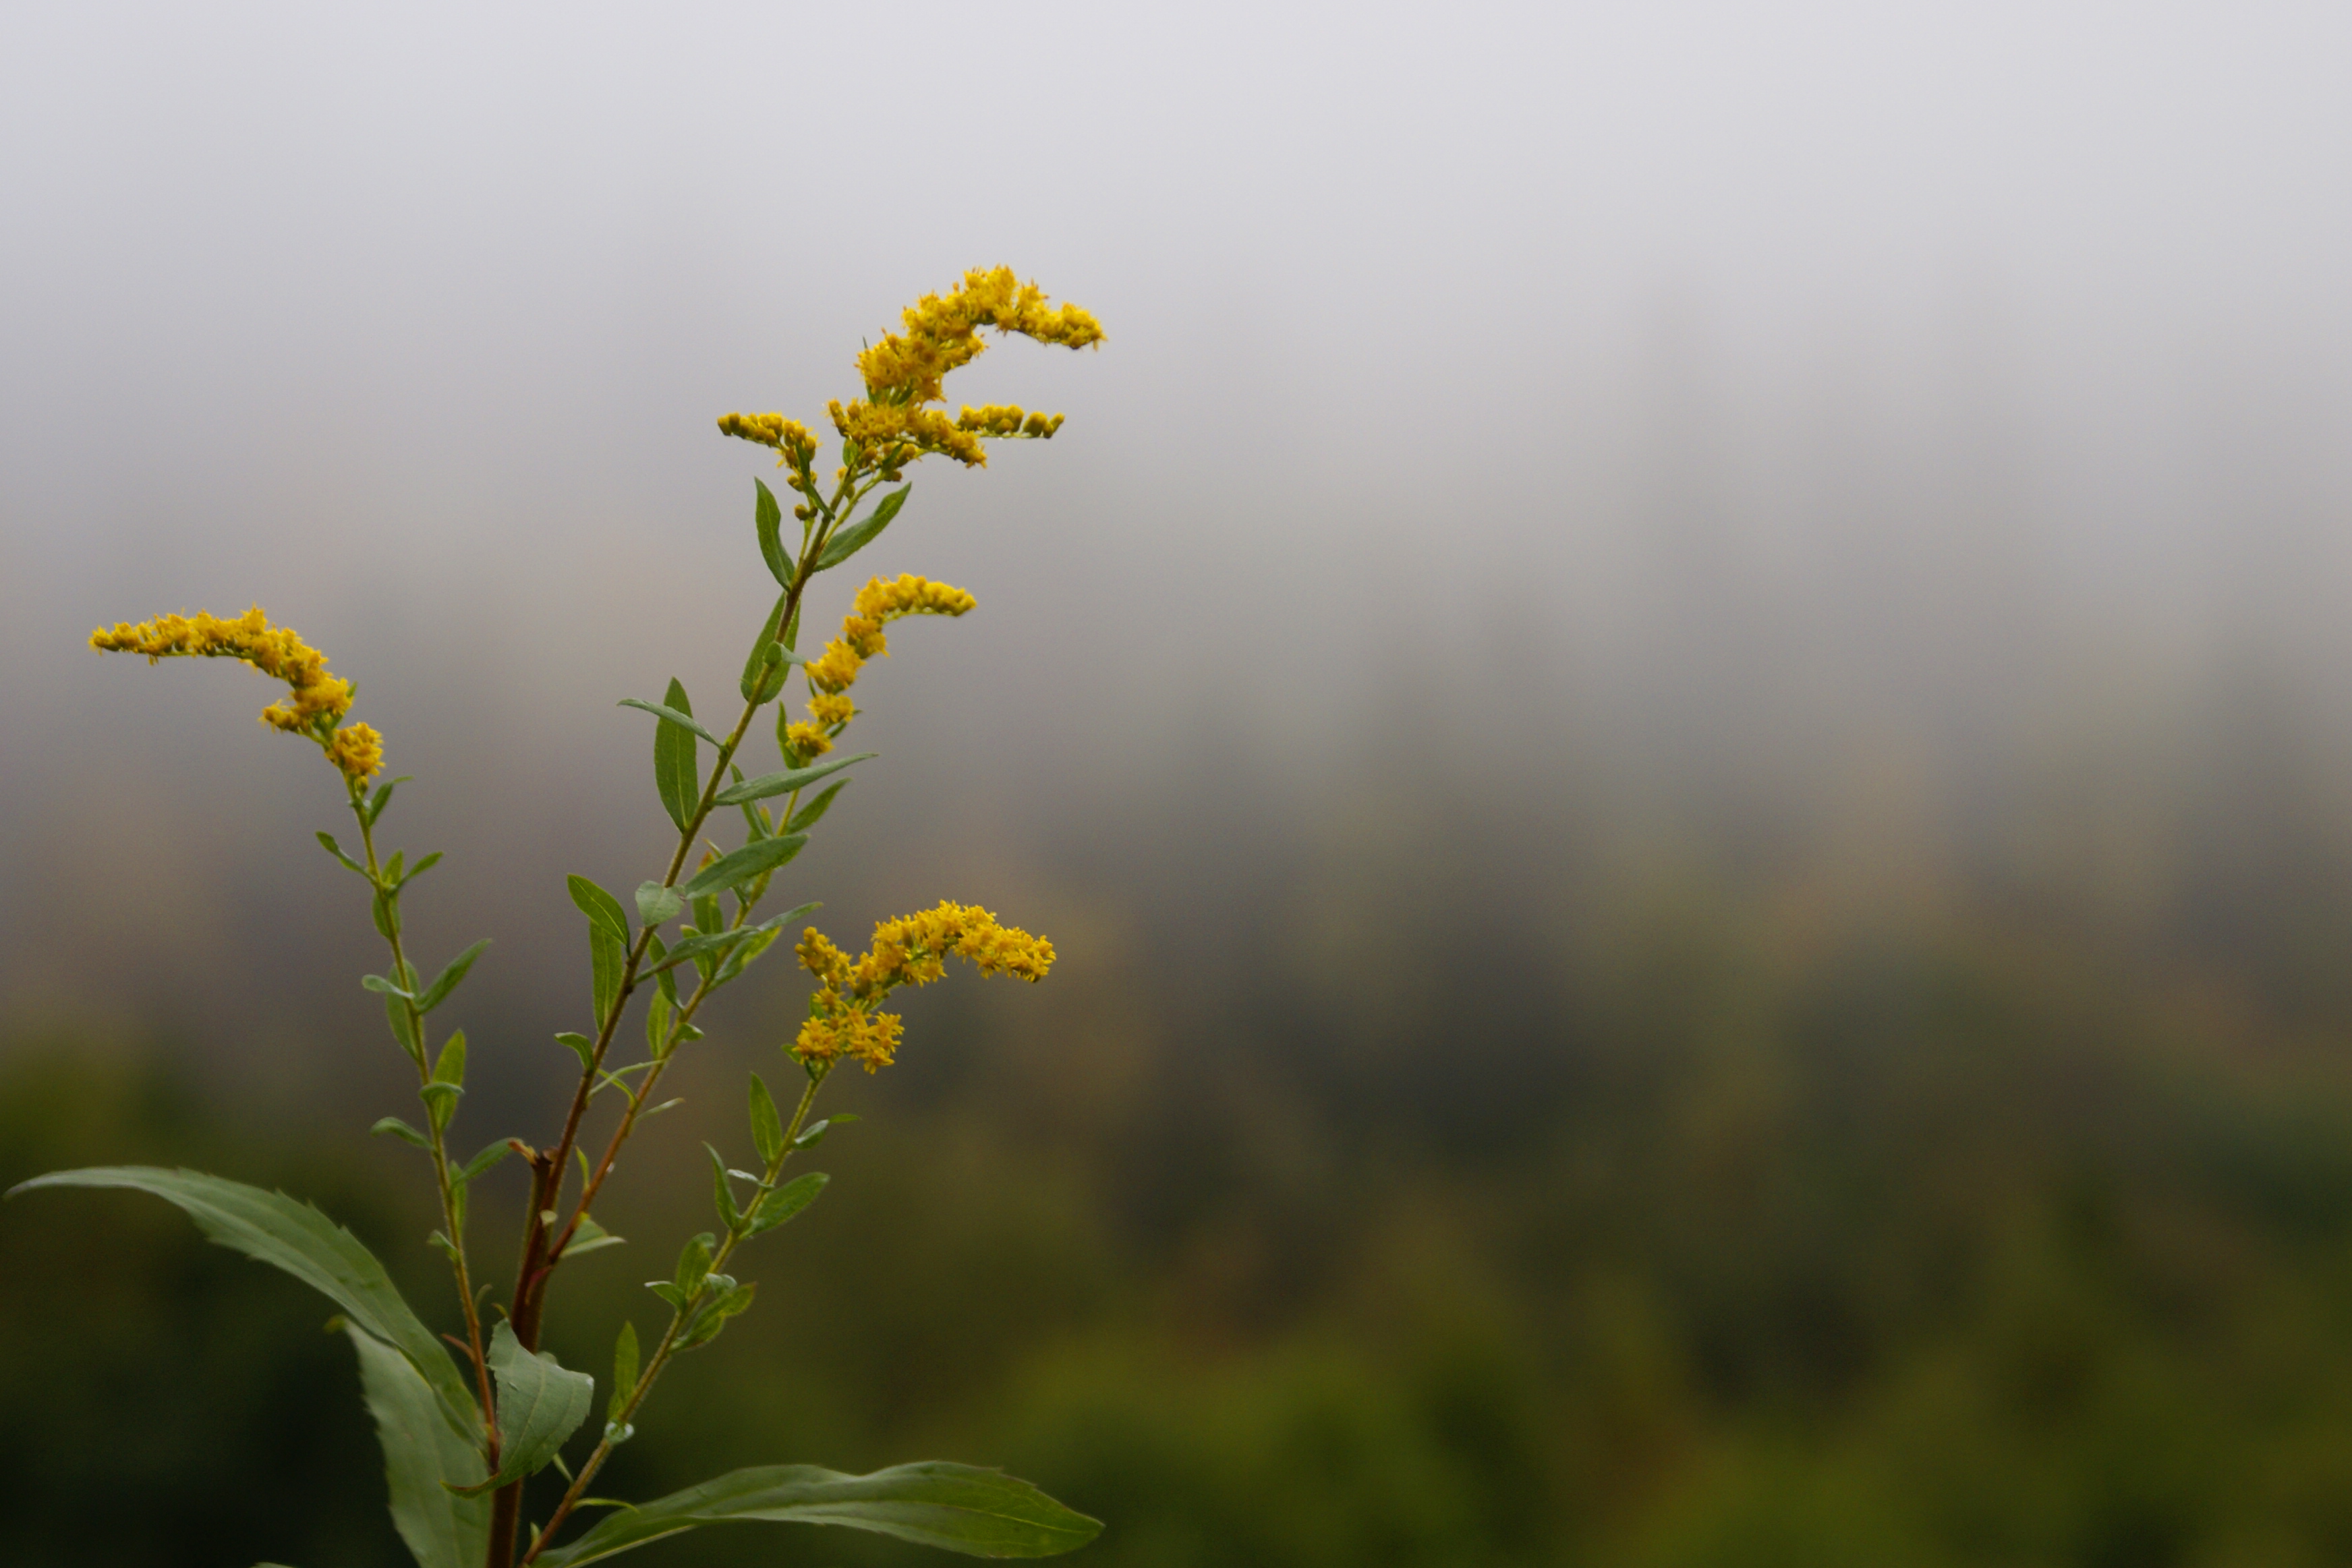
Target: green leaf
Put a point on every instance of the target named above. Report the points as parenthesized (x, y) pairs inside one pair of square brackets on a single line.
[(378, 983), (327, 842), (591, 1237), (731, 1301), (404, 1027), (492, 1155), (657, 904), (755, 664), (673, 715), (786, 1201), (767, 1127), (448, 980), (579, 1045), (784, 783), (677, 775), (739, 866), (601, 908), (540, 1405), (768, 517), (864, 531), (401, 1129), (808, 816), (451, 1067), (758, 941), (624, 1371), (383, 797), (421, 867), (694, 1261), (722, 1195), (960, 1508), (384, 910), (606, 958), (424, 1462), (812, 1136), (271, 1228)]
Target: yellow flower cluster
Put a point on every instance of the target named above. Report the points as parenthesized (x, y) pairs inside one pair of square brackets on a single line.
[(832, 673), (911, 950), (794, 445), (904, 372), (358, 750), (1007, 420), (316, 701)]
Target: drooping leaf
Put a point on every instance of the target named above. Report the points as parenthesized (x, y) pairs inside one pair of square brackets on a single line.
[(722, 1197), (767, 1127), (808, 816), (601, 908), (448, 980), (864, 531), (786, 1201), (378, 983), (327, 842), (784, 783), (424, 1462), (658, 904), (401, 1129), (768, 517), (739, 866), (540, 1405), (271, 1228), (677, 776), (579, 1045), (671, 714), (958, 1508)]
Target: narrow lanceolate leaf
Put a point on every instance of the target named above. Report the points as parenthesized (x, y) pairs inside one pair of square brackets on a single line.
[(590, 1238), (601, 908), (401, 1129), (540, 1405), (424, 1462), (786, 1201), (864, 531), (808, 816), (767, 1127), (677, 773), (671, 714), (768, 517), (327, 842), (448, 980), (768, 784), (959, 1508), (739, 866), (755, 664), (271, 1228), (606, 958), (624, 1371)]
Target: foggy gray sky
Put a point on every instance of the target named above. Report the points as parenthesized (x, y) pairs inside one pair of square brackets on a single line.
[(1899, 349)]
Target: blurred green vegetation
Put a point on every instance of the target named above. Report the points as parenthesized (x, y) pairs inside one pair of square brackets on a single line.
[(1684, 1223)]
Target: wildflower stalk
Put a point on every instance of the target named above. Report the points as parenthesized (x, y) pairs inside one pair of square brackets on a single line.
[(680, 1319), (541, 1254), (452, 1221)]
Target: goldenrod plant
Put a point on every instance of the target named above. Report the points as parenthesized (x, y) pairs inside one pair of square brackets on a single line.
[(462, 1433)]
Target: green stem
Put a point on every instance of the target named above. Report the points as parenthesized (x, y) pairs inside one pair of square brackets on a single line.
[(451, 1228), (679, 1317)]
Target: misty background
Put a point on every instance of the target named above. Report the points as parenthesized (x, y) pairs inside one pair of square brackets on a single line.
[(1676, 697)]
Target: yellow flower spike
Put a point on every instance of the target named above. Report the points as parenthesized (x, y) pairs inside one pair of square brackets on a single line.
[(911, 950), (832, 708), (314, 697)]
